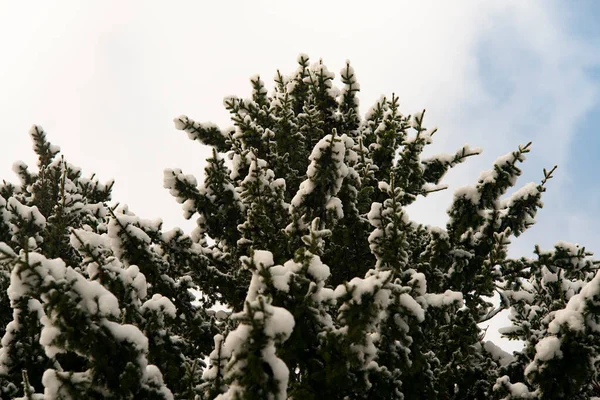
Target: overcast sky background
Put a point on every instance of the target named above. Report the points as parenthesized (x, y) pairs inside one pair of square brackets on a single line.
[(105, 80)]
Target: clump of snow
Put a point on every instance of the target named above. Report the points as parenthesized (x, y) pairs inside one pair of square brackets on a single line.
[(546, 349), (335, 148), (418, 283), (258, 86), (281, 274), (520, 295), (277, 325), (138, 280), (48, 335), (80, 238), (357, 287), (573, 316), (222, 315), (501, 164), (374, 215), (181, 122), (280, 324), (218, 359), (260, 260), (516, 390), (153, 378), (160, 304), (317, 269), (411, 305), (53, 381), (351, 84), (335, 204)]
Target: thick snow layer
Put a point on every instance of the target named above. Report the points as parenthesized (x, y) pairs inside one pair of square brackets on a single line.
[(7, 250), (546, 349), (519, 389), (279, 369), (531, 189), (468, 193), (444, 299), (374, 215), (317, 269), (138, 281), (263, 258), (80, 238), (31, 214), (99, 247), (520, 295), (128, 333), (94, 297), (48, 335), (53, 382), (153, 378), (236, 338), (280, 323), (19, 166)]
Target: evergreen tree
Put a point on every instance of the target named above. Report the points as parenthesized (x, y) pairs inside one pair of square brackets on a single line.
[(400, 305), (325, 289), (554, 311)]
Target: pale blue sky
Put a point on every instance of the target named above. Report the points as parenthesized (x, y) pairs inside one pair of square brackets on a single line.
[(105, 79)]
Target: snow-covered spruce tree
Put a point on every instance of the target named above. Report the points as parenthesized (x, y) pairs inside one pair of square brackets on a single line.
[(383, 307), (302, 233), (34, 216), (555, 312), (78, 321)]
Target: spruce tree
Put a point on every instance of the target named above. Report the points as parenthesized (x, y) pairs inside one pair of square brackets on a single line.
[(304, 277), (400, 303), (76, 311)]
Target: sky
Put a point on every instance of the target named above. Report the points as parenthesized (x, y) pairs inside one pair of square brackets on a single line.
[(105, 80)]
